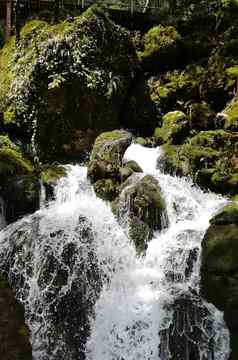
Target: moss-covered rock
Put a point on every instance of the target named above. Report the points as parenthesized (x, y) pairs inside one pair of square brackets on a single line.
[(50, 175), (174, 90), (161, 48), (141, 206), (210, 158), (201, 117), (106, 161), (14, 334), (106, 189), (219, 274), (66, 77), (12, 162), (21, 196), (231, 116), (175, 128)]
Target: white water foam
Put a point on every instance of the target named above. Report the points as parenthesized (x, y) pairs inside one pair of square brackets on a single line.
[(135, 305)]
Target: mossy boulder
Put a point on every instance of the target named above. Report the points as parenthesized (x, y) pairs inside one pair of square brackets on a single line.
[(219, 270), (175, 89), (141, 206), (14, 334), (161, 48), (50, 175), (104, 168), (174, 130), (21, 196), (230, 115), (64, 78), (201, 117), (210, 158), (128, 169), (12, 162)]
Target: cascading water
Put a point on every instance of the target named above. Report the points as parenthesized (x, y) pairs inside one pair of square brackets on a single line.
[(88, 295)]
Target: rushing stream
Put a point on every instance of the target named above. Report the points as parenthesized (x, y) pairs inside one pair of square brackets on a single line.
[(88, 295)]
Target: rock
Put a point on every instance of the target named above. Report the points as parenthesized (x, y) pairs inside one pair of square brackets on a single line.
[(14, 334), (142, 207), (12, 162), (59, 257), (133, 166), (105, 165), (230, 115), (139, 113), (210, 158), (21, 196), (201, 117), (219, 270), (185, 337), (174, 130), (106, 189), (50, 176), (173, 90), (141, 141), (161, 48), (61, 90)]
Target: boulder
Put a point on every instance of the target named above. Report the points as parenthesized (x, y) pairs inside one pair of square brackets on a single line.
[(210, 158), (142, 208), (219, 270), (21, 196), (174, 130), (57, 261), (67, 82), (14, 334), (201, 117), (104, 168), (161, 48)]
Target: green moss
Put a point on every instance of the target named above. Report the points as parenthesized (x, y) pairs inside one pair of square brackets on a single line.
[(201, 116), (106, 156), (176, 88), (52, 173), (106, 189), (174, 128), (23, 331), (215, 139), (158, 38), (12, 163), (51, 91), (231, 116)]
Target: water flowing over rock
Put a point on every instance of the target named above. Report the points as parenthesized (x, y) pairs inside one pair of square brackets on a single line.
[(87, 294)]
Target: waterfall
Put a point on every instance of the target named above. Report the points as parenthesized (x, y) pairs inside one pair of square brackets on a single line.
[(86, 293)]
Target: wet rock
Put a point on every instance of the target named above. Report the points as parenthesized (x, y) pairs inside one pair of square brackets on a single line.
[(14, 334), (142, 207), (21, 196), (65, 269), (185, 339)]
